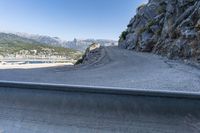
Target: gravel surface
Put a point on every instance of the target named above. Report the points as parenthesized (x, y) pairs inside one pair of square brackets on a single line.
[(119, 68)]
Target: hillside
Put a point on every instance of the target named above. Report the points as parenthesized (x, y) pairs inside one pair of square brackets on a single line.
[(53, 41), (77, 44), (14, 46), (167, 27)]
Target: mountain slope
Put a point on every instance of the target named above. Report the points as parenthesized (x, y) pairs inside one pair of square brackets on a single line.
[(167, 27), (54, 41), (12, 46), (77, 44)]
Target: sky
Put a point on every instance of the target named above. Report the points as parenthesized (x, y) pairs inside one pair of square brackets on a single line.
[(68, 19)]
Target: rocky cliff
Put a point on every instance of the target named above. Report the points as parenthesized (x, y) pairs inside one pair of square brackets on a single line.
[(92, 54), (166, 27)]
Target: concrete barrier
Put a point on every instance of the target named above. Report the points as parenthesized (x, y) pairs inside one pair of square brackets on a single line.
[(31, 107), (99, 89)]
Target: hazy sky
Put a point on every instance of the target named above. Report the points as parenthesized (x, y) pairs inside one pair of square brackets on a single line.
[(67, 19)]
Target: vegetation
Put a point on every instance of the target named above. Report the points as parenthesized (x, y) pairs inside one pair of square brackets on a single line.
[(142, 30), (150, 23), (148, 26), (123, 35), (159, 32), (79, 61), (13, 46)]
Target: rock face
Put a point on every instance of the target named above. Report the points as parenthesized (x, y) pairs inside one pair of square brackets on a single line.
[(92, 54), (167, 27)]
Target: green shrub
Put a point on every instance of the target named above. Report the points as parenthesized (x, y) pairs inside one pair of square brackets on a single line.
[(80, 61), (159, 32), (148, 26), (142, 30), (161, 9), (151, 23), (123, 35)]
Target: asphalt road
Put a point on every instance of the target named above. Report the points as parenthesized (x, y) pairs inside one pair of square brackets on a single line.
[(37, 111), (119, 68)]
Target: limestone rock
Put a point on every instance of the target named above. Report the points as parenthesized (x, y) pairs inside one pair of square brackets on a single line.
[(167, 27), (92, 53)]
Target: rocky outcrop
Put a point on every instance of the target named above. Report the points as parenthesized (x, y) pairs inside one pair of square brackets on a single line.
[(92, 54), (167, 27)]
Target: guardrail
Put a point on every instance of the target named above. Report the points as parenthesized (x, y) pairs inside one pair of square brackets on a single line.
[(99, 89), (119, 109)]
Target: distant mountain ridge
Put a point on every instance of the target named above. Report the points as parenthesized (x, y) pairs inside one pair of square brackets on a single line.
[(77, 44), (42, 39), (15, 46), (83, 44)]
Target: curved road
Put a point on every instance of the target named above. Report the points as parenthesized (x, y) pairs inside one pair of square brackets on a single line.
[(119, 68), (35, 111)]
